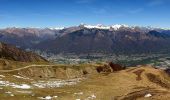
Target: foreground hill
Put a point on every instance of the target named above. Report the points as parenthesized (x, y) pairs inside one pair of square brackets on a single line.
[(12, 53)]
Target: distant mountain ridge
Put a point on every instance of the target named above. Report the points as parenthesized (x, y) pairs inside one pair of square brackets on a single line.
[(26, 37), (91, 39)]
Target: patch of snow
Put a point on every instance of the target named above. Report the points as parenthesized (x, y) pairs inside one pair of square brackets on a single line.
[(55, 83), (55, 96), (8, 92), (45, 98), (48, 97), (99, 26), (12, 95), (117, 26), (58, 28), (5, 83), (147, 95), (79, 93), (25, 92), (22, 86), (13, 85), (2, 76), (91, 97), (20, 77)]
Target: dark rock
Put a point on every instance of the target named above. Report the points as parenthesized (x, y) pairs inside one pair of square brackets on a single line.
[(104, 68), (167, 71), (111, 67), (116, 67), (85, 72)]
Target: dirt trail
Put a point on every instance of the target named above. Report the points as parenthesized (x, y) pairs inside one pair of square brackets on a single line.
[(26, 67)]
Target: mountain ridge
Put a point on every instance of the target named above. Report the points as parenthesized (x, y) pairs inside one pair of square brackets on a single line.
[(90, 39)]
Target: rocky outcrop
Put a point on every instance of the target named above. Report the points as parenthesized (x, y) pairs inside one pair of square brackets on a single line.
[(167, 71), (111, 67), (12, 53), (116, 67)]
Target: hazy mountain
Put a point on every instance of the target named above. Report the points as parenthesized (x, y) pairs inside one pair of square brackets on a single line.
[(26, 37)]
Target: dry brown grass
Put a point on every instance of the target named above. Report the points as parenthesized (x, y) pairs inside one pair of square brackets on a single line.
[(121, 85)]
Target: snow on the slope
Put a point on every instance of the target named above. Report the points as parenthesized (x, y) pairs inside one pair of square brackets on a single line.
[(20, 77), (10, 93), (91, 97), (117, 26), (57, 28), (24, 91), (13, 85), (99, 26), (55, 83), (22, 86), (2, 76), (47, 97), (147, 95), (79, 93)]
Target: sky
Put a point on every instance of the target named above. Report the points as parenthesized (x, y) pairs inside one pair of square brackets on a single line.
[(64, 13)]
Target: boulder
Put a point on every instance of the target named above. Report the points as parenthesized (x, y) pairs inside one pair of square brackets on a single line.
[(116, 67)]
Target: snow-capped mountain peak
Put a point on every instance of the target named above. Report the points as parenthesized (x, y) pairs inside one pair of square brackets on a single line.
[(100, 26), (57, 28), (117, 26)]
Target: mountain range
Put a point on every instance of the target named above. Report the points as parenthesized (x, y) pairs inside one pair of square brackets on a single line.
[(120, 39)]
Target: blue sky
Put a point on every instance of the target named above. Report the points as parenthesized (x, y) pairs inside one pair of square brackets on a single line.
[(56, 13)]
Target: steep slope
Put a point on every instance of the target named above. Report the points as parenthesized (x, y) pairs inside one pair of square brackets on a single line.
[(12, 53)]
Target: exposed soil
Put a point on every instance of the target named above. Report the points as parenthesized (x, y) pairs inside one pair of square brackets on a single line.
[(111, 67), (129, 70), (116, 67), (141, 93), (138, 73), (156, 79), (167, 71)]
